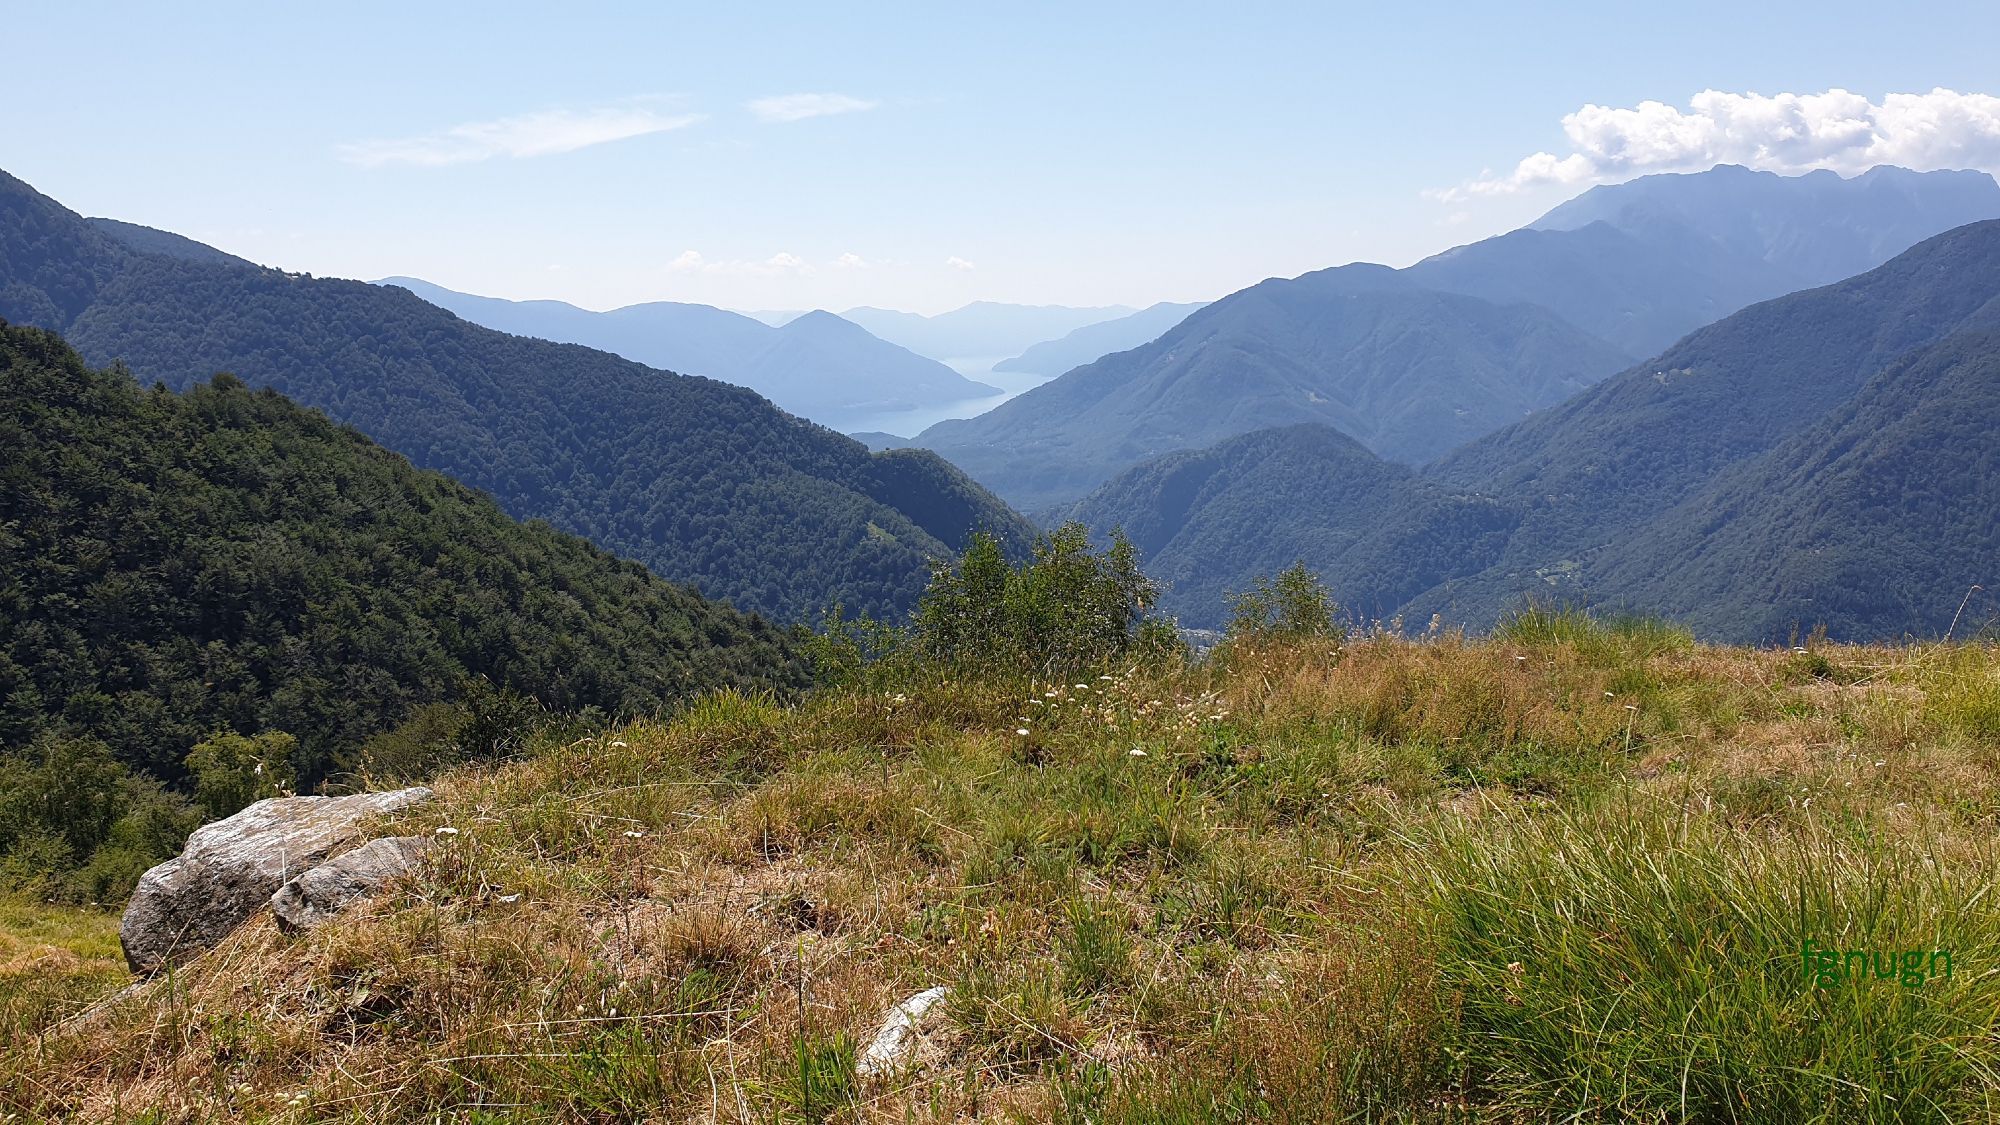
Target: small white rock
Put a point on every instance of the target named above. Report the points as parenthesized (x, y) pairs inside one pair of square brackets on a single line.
[(896, 1039)]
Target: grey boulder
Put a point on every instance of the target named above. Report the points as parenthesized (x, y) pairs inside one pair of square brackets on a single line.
[(344, 880), (233, 866)]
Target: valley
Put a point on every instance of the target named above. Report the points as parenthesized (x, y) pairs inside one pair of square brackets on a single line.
[(772, 565)]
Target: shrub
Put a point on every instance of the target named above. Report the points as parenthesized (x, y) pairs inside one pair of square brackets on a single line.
[(77, 826), (1065, 609), (485, 723), (231, 770), (1294, 606)]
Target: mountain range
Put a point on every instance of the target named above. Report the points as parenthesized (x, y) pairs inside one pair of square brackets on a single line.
[(1447, 439), (816, 364), (1408, 372), (1821, 458), (982, 329), (1094, 341), (703, 482), (1618, 273), (1645, 262)]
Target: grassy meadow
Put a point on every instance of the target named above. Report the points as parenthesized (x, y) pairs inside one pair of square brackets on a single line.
[(1561, 873)]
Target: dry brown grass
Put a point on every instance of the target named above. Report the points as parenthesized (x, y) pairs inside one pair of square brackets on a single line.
[(1228, 919)]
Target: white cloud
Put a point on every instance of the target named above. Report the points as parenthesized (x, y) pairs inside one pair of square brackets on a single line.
[(531, 134), (851, 261), (798, 107), (958, 263), (1789, 133), (783, 262)]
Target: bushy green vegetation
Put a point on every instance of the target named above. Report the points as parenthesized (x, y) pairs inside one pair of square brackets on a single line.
[(77, 825), (1065, 608), (704, 483), (1565, 872), (231, 771), (1294, 606)]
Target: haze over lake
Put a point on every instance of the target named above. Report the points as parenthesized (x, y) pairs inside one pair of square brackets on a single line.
[(979, 369)]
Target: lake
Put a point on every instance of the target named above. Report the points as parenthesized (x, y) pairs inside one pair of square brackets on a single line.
[(910, 423)]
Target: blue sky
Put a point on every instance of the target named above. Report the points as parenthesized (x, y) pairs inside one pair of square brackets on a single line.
[(921, 156)]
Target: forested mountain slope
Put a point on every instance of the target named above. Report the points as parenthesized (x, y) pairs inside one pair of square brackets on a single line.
[(173, 564), (703, 482), (1209, 522), (1594, 473), (1825, 457), (1637, 444), (1880, 518), (147, 240)]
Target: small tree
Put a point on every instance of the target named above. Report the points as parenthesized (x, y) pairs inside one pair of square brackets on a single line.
[(231, 771), (842, 650), (78, 826), (74, 789), (1065, 608), (485, 723), (1294, 606)]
